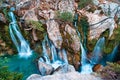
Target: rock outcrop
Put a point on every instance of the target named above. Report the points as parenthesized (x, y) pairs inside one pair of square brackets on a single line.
[(99, 23), (66, 76)]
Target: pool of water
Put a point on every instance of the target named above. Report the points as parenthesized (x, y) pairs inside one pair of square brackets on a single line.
[(26, 66)]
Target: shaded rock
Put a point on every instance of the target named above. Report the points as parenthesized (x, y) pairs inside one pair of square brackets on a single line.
[(64, 69), (69, 76), (2, 18), (45, 69), (34, 77), (54, 33)]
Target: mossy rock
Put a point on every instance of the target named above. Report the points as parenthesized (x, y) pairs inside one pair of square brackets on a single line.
[(36, 25), (64, 16)]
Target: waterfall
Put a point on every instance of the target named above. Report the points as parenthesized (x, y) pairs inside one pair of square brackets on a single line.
[(17, 38), (55, 60), (111, 57), (97, 52), (86, 66)]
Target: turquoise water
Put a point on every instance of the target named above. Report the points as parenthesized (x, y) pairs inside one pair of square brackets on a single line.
[(25, 66)]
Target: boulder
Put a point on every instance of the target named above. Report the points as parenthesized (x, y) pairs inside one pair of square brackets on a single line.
[(54, 33), (75, 39), (34, 77), (68, 76), (64, 69), (45, 69)]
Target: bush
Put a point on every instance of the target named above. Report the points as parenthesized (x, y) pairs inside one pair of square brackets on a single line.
[(110, 72), (65, 16), (36, 25), (84, 3)]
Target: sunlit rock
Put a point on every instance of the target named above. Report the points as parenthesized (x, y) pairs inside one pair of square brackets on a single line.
[(69, 76), (30, 15), (45, 69), (54, 33), (64, 69), (66, 5), (76, 41), (99, 23), (34, 77)]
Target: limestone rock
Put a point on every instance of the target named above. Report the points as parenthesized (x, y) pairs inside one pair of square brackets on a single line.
[(54, 33), (66, 5), (64, 69), (45, 69), (34, 77), (76, 41), (69, 76), (99, 23)]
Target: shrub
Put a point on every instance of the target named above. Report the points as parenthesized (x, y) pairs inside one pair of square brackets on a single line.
[(110, 72), (36, 25), (84, 3), (65, 16)]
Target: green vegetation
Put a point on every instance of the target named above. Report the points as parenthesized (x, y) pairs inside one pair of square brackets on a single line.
[(5, 74), (36, 25), (110, 72), (65, 16), (111, 42), (83, 29), (84, 3)]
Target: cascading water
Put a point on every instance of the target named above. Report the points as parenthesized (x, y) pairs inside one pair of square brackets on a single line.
[(97, 52), (86, 67), (111, 57), (17, 38), (56, 60)]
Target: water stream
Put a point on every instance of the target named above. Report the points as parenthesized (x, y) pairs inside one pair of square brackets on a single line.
[(21, 44), (51, 55)]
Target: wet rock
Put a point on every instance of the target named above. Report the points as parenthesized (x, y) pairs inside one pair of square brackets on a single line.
[(54, 33), (64, 69), (97, 67), (76, 61), (69, 76), (34, 77), (45, 69)]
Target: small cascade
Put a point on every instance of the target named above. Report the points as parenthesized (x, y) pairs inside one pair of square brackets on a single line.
[(111, 57), (17, 38), (55, 60), (54, 53), (86, 66), (97, 52)]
